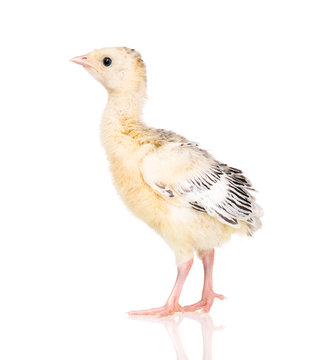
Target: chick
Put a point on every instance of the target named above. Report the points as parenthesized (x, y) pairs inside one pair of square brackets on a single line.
[(192, 200)]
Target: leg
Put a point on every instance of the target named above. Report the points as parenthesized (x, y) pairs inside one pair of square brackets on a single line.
[(208, 295), (172, 304)]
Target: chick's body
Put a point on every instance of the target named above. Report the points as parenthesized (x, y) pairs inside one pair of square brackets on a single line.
[(182, 227), (193, 201)]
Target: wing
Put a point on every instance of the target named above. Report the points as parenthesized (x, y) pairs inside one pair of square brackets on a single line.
[(183, 172)]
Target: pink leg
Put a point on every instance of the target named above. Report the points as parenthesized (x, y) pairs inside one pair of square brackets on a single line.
[(172, 304), (208, 295)]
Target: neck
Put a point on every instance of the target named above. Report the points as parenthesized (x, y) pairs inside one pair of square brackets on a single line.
[(125, 107), (122, 115)]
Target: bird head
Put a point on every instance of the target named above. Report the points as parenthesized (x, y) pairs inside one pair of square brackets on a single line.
[(116, 68)]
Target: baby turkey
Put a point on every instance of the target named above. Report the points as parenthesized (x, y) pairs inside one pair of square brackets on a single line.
[(192, 200)]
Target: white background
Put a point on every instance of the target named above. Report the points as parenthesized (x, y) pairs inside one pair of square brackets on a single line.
[(243, 78)]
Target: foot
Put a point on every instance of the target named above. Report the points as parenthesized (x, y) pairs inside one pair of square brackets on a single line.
[(162, 311), (204, 304)]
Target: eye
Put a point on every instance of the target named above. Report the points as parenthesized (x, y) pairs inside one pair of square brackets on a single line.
[(107, 61)]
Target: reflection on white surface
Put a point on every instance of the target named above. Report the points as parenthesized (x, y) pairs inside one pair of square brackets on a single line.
[(172, 323)]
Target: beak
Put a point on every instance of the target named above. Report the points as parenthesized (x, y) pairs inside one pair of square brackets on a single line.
[(83, 60)]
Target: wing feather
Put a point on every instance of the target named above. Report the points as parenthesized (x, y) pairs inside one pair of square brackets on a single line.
[(184, 171)]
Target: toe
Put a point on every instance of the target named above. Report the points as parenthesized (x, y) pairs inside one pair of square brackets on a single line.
[(153, 311), (219, 296), (194, 307), (160, 312)]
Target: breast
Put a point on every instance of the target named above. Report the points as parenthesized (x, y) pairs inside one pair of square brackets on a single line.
[(136, 194)]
